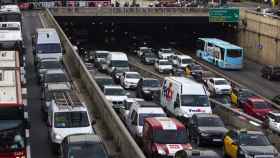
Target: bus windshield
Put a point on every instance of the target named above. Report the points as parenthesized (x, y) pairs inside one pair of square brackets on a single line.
[(194, 100), (234, 53)]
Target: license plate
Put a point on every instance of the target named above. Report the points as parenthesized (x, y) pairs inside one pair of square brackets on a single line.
[(217, 140)]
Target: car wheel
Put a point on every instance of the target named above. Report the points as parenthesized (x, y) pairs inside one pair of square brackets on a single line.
[(225, 153)]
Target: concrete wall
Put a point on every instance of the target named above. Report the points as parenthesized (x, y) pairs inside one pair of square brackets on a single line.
[(260, 37), (76, 68)]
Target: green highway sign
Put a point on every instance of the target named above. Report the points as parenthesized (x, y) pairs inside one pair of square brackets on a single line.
[(224, 15)]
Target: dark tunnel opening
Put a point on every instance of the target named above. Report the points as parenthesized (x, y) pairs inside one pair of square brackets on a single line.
[(118, 33)]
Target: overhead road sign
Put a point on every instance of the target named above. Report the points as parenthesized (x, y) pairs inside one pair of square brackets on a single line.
[(224, 15)]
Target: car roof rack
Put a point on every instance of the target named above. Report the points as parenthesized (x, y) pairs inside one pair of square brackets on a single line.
[(67, 100)]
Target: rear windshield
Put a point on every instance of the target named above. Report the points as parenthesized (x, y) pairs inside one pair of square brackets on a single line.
[(119, 63), (71, 119), (234, 53), (170, 136), (164, 63), (151, 83), (101, 55), (50, 65), (115, 91), (87, 150), (52, 78), (210, 122)]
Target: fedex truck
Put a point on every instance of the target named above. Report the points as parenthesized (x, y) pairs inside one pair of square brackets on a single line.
[(183, 97)]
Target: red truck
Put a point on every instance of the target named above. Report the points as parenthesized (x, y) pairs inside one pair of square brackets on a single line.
[(164, 136), (256, 107), (13, 118)]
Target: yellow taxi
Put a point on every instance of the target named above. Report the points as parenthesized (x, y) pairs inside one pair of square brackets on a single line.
[(248, 144), (239, 95)]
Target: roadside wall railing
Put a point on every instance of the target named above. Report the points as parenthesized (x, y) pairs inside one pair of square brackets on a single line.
[(75, 66), (128, 11)]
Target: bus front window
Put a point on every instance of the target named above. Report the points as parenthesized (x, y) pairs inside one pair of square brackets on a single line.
[(234, 53)]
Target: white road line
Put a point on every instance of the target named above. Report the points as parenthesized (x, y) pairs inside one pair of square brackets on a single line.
[(42, 21)]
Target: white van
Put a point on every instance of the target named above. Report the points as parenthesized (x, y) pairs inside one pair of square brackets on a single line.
[(184, 97), (116, 61), (182, 61), (46, 44)]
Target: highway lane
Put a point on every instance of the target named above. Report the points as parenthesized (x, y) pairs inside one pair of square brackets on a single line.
[(40, 147)]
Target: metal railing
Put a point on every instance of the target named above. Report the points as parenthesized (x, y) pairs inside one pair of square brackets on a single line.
[(128, 11)]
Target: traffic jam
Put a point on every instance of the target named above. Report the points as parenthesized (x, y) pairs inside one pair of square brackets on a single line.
[(173, 117)]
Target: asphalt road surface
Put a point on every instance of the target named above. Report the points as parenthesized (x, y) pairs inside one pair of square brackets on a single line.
[(40, 146)]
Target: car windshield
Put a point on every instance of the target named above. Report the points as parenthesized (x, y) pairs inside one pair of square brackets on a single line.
[(253, 140), (115, 91), (52, 78), (134, 75), (166, 51), (221, 82), (71, 119), (149, 54), (151, 83), (104, 81), (49, 48), (119, 63), (178, 136), (210, 122), (142, 117), (196, 68), (234, 53), (261, 105), (50, 65), (187, 61), (87, 150), (164, 63), (246, 94), (101, 55), (277, 118), (194, 100)]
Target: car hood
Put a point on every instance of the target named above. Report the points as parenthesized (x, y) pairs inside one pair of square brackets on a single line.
[(165, 66), (116, 98), (213, 129), (223, 86), (132, 80), (259, 150), (171, 149)]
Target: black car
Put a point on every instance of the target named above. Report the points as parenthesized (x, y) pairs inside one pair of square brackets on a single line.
[(148, 88), (202, 76), (103, 80), (271, 72), (148, 57), (276, 99), (196, 154), (206, 128), (83, 146)]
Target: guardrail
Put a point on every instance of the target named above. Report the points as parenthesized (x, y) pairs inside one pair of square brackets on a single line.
[(75, 66), (232, 117), (128, 11)]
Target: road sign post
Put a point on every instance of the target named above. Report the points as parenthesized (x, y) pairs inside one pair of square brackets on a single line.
[(224, 15)]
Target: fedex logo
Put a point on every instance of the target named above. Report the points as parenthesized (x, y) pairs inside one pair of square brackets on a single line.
[(196, 110)]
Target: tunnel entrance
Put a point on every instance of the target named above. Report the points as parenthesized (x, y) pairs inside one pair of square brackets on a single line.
[(120, 33)]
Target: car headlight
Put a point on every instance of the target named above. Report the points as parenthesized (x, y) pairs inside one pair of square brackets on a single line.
[(161, 151), (217, 89), (203, 134), (146, 91)]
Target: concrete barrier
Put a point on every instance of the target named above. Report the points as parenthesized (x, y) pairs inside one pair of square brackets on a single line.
[(75, 66)]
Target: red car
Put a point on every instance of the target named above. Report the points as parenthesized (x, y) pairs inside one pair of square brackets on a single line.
[(256, 107)]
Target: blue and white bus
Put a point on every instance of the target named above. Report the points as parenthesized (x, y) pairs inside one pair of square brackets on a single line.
[(220, 53)]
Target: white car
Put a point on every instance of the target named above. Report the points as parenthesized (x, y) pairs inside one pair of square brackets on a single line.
[(124, 110), (273, 121), (141, 51), (165, 53), (130, 79), (116, 95), (163, 66), (218, 86), (137, 113)]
